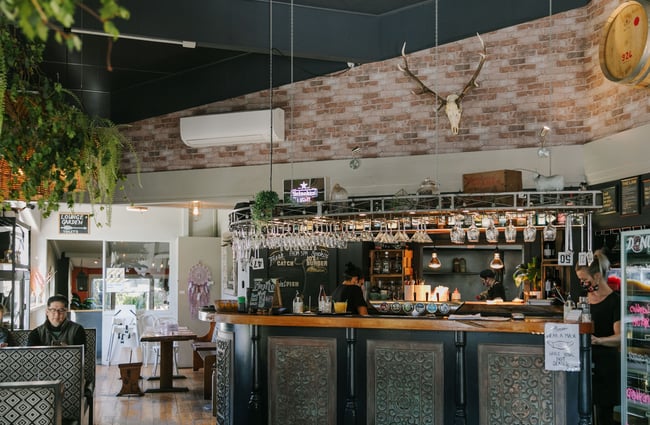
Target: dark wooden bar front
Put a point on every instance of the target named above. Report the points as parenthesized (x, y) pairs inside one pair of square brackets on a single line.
[(286, 369)]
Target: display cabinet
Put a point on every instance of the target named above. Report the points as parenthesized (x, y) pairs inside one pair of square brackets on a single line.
[(635, 345), (14, 272), (388, 270)]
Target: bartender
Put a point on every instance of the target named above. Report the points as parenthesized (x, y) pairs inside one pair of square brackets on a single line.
[(493, 288)]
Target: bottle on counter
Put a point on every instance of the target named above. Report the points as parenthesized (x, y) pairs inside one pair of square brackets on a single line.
[(322, 300), (583, 304), (455, 296), (298, 303), (568, 306)]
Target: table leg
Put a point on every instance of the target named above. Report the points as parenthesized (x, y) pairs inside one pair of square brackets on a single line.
[(166, 370)]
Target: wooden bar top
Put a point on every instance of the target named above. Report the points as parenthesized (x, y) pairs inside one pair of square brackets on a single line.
[(534, 325)]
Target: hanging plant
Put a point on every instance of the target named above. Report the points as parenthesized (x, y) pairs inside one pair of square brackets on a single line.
[(50, 150), (263, 205)]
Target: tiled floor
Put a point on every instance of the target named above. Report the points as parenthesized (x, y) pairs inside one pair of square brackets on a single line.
[(160, 409)]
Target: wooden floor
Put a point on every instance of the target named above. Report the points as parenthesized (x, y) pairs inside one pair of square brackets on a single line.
[(160, 409)]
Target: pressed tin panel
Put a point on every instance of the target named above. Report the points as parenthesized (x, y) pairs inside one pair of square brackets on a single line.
[(516, 389), (222, 395), (302, 381), (405, 383)]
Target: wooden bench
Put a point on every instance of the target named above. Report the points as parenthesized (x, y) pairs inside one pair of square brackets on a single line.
[(63, 363), (208, 357), (206, 342), (19, 338), (36, 402)]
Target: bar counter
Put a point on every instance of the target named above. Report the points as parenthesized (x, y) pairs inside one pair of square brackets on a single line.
[(383, 369)]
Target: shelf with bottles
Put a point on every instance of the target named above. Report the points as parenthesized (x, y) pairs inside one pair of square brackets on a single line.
[(390, 263)]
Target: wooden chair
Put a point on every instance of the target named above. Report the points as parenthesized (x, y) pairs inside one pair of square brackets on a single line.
[(32, 402), (207, 342)]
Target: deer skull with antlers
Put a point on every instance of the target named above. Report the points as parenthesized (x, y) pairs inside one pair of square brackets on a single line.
[(452, 103)]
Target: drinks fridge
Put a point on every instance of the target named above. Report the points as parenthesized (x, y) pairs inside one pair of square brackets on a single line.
[(635, 327)]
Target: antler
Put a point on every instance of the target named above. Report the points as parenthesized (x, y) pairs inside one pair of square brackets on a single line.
[(423, 87), (472, 82)]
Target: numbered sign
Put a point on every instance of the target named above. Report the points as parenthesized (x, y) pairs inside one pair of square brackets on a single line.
[(565, 258), (582, 259)]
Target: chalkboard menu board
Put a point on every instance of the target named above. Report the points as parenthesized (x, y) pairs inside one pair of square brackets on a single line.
[(630, 196), (646, 192), (609, 200), (261, 295), (301, 270)]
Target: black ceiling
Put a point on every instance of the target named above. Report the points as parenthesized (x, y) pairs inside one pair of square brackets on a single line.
[(232, 37)]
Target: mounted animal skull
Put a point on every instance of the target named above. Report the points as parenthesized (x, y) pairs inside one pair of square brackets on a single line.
[(452, 103)]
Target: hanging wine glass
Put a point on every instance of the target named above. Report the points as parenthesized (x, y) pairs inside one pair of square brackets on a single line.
[(530, 232), (492, 233), (550, 231), (510, 232), (473, 233)]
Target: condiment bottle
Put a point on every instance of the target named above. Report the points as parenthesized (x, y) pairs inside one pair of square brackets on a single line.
[(455, 296), (298, 303)]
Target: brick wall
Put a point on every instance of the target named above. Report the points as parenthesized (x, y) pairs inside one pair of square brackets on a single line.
[(544, 72)]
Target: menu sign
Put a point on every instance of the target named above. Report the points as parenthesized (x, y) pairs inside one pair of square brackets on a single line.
[(630, 196), (646, 192), (261, 296), (609, 200)]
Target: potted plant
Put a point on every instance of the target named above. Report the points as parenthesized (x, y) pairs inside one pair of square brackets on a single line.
[(530, 275), (263, 205)]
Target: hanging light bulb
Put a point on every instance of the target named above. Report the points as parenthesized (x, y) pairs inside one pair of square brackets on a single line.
[(497, 262), (196, 210), (435, 261)]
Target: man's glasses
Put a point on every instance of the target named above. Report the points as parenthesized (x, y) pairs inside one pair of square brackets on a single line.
[(57, 310)]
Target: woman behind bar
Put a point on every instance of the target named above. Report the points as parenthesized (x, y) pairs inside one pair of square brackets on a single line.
[(350, 291), (605, 307), (494, 288)]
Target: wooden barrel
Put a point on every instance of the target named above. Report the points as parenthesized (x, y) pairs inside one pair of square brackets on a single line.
[(624, 49)]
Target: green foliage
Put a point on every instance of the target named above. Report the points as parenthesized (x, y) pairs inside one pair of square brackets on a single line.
[(50, 145), (36, 19), (528, 272), (264, 203)]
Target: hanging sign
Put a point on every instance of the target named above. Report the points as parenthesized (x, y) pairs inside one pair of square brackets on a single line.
[(304, 191), (561, 347), (73, 223)]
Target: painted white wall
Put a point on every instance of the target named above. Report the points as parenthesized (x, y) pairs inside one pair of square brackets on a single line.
[(375, 176), (193, 250)]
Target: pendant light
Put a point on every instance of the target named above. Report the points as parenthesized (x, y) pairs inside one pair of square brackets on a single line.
[(435, 263), (497, 262), (82, 279)]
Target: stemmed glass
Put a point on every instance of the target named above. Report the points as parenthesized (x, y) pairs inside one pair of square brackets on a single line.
[(530, 232), (550, 231), (492, 233), (510, 232), (473, 233)]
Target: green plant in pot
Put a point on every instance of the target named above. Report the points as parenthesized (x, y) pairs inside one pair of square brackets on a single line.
[(263, 206), (529, 275)]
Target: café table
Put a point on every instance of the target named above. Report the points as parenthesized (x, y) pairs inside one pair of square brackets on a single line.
[(166, 341)]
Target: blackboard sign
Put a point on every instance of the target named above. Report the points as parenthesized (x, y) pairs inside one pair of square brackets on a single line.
[(73, 223), (301, 270), (609, 200), (261, 296), (646, 192), (630, 196)]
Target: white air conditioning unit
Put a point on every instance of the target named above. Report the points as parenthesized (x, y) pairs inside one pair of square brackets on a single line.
[(232, 128)]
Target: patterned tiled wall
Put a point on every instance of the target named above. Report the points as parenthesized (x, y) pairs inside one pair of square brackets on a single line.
[(540, 72)]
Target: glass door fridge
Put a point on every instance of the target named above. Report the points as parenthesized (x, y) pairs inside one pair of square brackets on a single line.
[(635, 309)]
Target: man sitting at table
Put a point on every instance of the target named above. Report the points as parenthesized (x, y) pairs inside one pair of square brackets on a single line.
[(57, 329)]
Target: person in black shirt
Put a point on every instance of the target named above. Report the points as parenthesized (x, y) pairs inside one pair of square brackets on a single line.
[(350, 291), (494, 288), (605, 308), (57, 329)]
